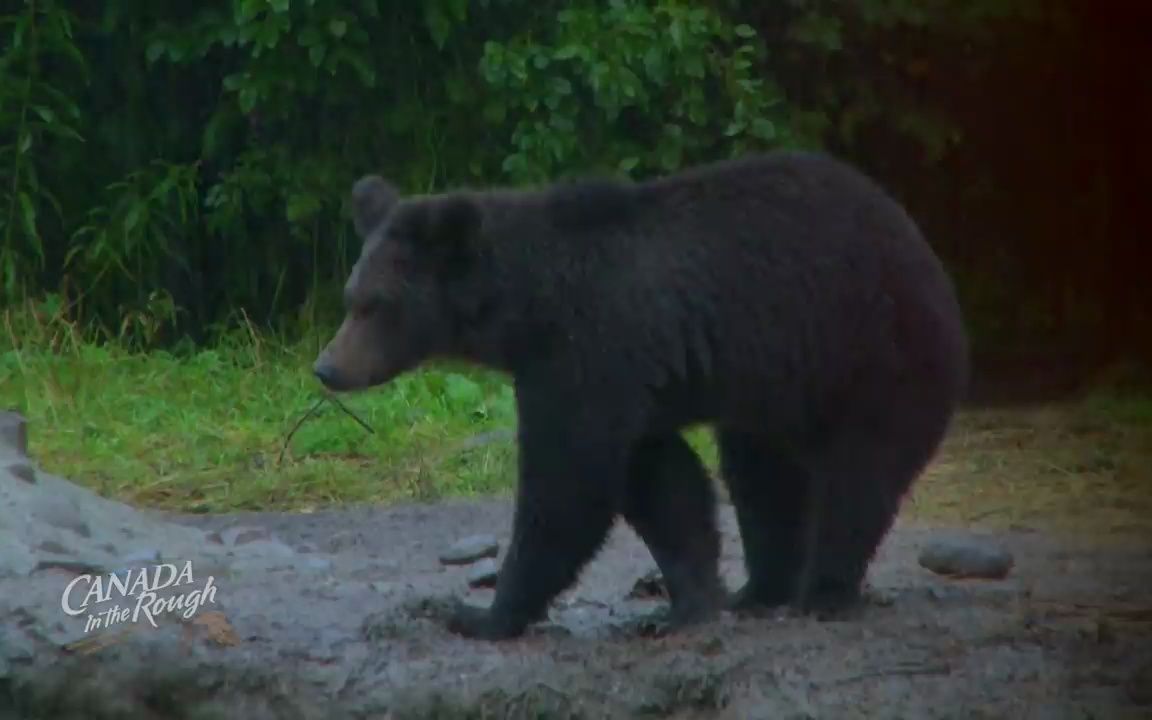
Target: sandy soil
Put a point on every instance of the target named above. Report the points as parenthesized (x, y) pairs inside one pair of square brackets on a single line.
[(1067, 635)]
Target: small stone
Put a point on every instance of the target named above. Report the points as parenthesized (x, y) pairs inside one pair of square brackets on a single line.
[(243, 535), (14, 431), (269, 548), (967, 559), (344, 540), (484, 574), (470, 549), (24, 471), (651, 585)]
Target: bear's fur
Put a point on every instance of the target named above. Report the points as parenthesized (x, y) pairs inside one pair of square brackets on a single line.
[(785, 299)]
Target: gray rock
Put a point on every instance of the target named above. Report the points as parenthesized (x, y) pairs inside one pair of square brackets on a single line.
[(53, 547), (243, 535), (144, 556), (967, 559), (22, 470), (62, 513), (14, 431), (484, 574), (16, 558), (318, 564), (138, 559), (470, 549), (80, 566), (15, 649)]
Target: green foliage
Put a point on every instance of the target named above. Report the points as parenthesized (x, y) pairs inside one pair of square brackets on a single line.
[(200, 155), (633, 87)]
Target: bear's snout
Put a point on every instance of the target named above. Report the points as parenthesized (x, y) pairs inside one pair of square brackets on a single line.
[(329, 376)]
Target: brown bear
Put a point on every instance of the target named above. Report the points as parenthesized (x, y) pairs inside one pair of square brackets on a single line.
[(785, 299)]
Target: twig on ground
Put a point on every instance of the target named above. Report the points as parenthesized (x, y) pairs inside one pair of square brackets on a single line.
[(312, 411), (288, 439), (354, 416)]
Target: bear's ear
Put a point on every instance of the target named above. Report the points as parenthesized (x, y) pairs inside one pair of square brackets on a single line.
[(453, 227), (373, 198)]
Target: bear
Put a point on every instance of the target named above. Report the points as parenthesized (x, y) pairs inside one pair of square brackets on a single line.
[(782, 299)]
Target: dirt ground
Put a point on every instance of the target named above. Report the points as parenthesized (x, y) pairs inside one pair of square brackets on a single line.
[(353, 633), (1066, 636)]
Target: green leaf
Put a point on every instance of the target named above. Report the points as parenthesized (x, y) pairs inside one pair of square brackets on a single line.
[(301, 207), (132, 219), (28, 214), (568, 52), (155, 51), (744, 31), (309, 36), (247, 99), (439, 25), (763, 129), (338, 28)]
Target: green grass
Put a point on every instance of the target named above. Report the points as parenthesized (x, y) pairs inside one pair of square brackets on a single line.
[(205, 431)]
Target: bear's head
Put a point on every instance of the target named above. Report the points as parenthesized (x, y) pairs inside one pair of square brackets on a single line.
[(415, 292)]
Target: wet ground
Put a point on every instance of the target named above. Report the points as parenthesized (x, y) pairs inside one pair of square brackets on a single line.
[(350, 631)]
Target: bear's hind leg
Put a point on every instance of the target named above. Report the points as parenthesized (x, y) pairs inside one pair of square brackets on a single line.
[(671, 505), (861, 477), (769, 492), (862, 470)]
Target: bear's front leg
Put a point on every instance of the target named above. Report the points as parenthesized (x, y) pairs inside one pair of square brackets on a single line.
[(573, 474)]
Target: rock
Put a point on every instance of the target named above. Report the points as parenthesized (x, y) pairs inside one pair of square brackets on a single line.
[(484, 574), (14, 431), (470, 549), (651, 585), (16, 558), (63, 513), (22, 470), (318, 564), (243, 535), (78, 566), (345, 540), (15, 649), (146, 556), (138, 559), (966, 559), (53, 547)]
